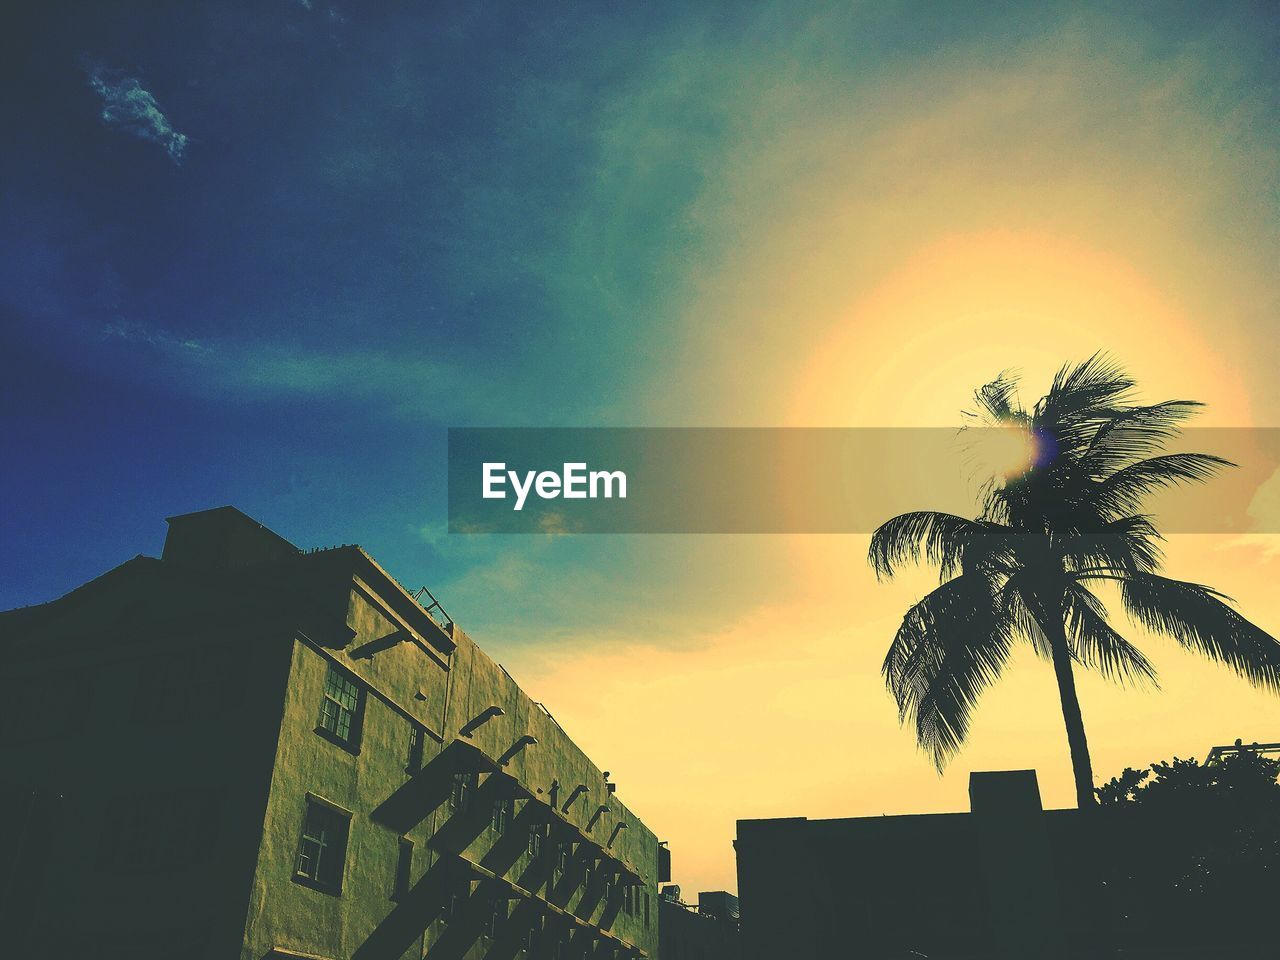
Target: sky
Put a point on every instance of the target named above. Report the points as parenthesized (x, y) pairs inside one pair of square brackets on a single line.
[(265, 254)]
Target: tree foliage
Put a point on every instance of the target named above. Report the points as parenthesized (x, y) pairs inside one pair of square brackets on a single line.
[(1027, 568), (1192, 845)]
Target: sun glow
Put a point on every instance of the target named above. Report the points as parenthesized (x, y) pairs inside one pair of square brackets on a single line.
[(1004, 452), (969, 307)]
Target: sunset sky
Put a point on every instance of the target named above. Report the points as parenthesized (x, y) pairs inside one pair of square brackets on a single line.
[(265, 254)]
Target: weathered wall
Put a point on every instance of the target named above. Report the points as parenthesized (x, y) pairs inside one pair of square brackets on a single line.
[(408, 679), (173, 708)]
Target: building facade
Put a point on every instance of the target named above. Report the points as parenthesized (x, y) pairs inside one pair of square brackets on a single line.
[(1194, 875), (242, 749), (998, 882), (708, 931)]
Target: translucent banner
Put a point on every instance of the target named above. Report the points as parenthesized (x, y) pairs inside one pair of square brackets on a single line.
[(784, 480)]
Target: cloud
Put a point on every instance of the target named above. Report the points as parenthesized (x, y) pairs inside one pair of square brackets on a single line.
[(137, 333), (403, 385), (127, 104)]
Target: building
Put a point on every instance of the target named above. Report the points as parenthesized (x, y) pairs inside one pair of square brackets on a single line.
[(1191, 877), (985, 884), (706, 932), (243, 750)]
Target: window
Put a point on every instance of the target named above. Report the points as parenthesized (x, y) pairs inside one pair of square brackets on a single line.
[(501, 814), (414, 762), (464, 788), (535, 839), (340, 709), (404, 869), (322, 853), (646, 908)]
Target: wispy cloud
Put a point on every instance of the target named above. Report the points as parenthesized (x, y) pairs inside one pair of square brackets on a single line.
[(138, 333), (406, 386), (128, 105), (334, 15)]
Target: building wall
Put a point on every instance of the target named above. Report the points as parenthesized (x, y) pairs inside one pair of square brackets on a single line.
[(690, 934), (168, 711), (414, 681), (142, 705), (955, 886)]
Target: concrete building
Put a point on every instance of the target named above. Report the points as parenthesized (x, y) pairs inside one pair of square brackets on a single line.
[(244, 750), (994, 883), (708, 931)]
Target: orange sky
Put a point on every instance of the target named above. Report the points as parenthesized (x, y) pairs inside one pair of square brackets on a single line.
[(883, 246)]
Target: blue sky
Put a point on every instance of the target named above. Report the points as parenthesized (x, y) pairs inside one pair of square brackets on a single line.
[(265, 253), (328, 232), (361, 239)]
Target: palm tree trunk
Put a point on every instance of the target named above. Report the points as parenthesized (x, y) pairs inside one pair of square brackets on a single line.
[(1081, 766)]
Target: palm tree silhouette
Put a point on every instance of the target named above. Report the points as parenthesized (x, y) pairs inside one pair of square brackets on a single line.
[(1023, 571)]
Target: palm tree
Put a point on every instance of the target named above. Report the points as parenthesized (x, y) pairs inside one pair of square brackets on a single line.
[(1026, 569)]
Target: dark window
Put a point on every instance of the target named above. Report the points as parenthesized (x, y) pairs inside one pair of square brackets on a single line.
[(322, 852), (464, 788), (340, 709), (414, 763), (646, 908), (535, 839), (404, 869), (501, 814)]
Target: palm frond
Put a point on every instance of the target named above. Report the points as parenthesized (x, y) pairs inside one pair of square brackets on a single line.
[(1098, 645), (952, 644), (1116, 546), (1018, 606), (1125, 490), (1097, 383), (996, 401), (1201, 619), (940, 538), (1080, 399), (1134, 432)]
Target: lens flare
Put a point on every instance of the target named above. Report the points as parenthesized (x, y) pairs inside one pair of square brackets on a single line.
[(1005, 452)]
